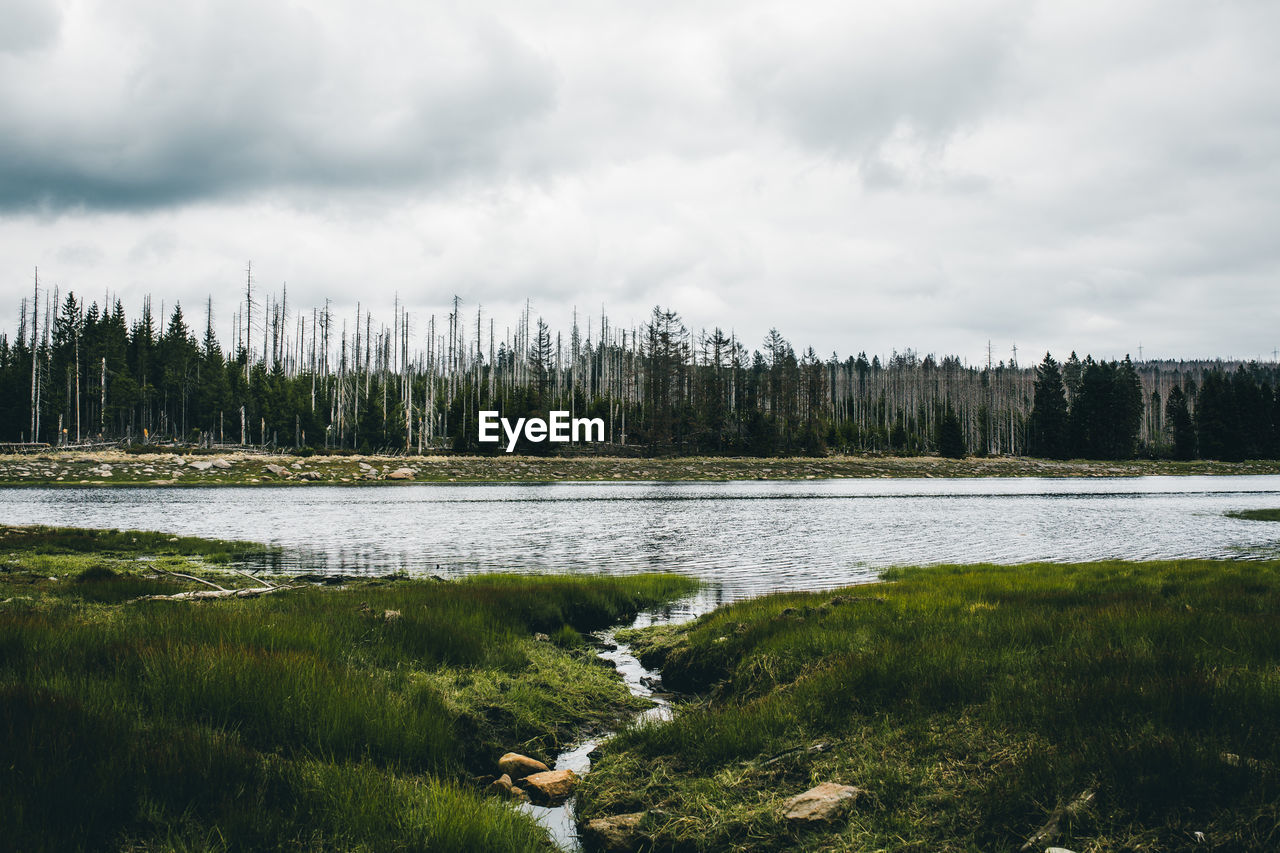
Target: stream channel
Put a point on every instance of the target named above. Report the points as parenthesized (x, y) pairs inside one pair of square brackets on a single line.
[(559, 821)]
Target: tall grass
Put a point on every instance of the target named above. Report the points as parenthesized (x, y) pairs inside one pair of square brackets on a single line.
[(973, 699), (314, 719)]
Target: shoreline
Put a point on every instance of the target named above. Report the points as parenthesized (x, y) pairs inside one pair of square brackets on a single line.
[(239, 468)]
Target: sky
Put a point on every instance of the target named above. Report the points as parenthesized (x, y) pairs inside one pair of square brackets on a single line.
[(1096, 176)]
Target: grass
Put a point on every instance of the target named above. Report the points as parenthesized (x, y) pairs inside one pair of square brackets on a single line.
[(1256, 514), (355, 718), (970, 702)]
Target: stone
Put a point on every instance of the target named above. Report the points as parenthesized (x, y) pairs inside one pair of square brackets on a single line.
[(550, 787), (278, 470), (502, 785), (390, 615), (220, 463), (820, 803), (401, 474), (200, 465), (518, 766), (617, 834), (311, 475), (519, 796)]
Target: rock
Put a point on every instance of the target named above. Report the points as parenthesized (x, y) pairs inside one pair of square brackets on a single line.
[(821, 803), (278, 470), (551, 787), (518, 766), (390, 615), (502, 785), (200, 465), (311, 475), (297, 466), (617, 834), (519, 796), (220, 463), (401, 474)]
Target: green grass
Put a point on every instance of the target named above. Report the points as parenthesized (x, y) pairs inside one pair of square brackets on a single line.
[(312, 719), (1256, 514), (970, 701)]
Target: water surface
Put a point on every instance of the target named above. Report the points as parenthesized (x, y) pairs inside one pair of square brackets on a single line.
[(743, 537)]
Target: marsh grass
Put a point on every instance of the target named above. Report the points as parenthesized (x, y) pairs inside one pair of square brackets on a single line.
[(1256, 514), (322, 718), (970, 701)]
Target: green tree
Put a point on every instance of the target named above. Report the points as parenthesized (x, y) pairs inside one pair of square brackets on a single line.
[(1049, 427)]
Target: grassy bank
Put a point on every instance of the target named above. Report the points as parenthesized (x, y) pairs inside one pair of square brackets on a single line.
[(246, 469), (1256, 514), (355, 718), (971, 703)]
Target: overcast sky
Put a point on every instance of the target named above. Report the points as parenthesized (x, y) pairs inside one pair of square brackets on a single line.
[(1088, 175)]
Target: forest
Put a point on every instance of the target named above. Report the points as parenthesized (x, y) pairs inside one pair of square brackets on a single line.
[(78, 373)]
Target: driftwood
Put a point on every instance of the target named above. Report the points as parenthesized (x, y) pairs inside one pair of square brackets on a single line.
[(202, 594), (217, 591), (1051, 826)]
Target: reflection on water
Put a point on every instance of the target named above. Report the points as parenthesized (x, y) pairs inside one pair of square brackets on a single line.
[(744, 537)]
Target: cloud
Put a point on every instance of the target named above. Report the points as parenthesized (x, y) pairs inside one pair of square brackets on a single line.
[(141, 105), (849, 80)]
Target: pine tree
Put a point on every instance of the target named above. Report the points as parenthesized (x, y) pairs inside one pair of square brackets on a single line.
[(951, 435), (1181, 430), (1049, 412)]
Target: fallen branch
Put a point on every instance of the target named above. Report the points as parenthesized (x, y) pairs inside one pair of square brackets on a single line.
[(202, 594), (1050, 828), (197, 580), (254, 577)]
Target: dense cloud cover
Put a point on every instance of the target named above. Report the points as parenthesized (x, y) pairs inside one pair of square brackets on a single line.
[(878, 176)]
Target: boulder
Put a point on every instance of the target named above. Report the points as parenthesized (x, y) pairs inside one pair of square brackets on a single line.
[(278, 470), (550, 787), (401, 474), (501, 785), (220, 463), (200, 464), (617, 834), (821, 803), (518, 766), (311, 475)]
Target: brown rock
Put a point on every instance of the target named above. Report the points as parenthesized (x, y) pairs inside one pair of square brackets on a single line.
[(401, 474), (501, 785), (518, 766), (551, 787), (278, 470), (617, 834), (821, 803)]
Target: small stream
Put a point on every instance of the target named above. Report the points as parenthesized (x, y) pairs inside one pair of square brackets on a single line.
[(559, 821)]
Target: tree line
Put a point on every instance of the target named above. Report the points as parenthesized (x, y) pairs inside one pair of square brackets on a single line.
[(77, 372)]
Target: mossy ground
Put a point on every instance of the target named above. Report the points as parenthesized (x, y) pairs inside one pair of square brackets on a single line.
[(356, 718), (970, 702)]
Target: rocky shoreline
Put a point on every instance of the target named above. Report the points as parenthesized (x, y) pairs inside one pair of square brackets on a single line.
[(246, 468)]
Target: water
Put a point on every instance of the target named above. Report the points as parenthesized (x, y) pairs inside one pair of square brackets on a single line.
[(559, 821), (745, 538)]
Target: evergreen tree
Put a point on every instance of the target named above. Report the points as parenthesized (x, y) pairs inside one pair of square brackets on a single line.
[(1049, 436), (1178, 423), (951, 435)]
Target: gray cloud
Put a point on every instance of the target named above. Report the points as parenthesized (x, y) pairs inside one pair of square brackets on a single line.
[(1085, 175), (172, 103)]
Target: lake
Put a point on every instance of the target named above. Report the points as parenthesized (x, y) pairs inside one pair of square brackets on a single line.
[(744, 538)]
